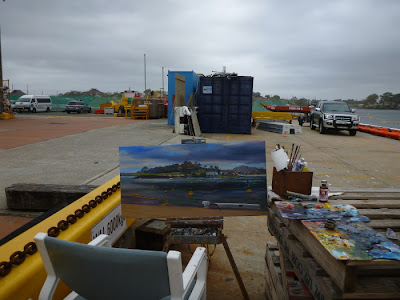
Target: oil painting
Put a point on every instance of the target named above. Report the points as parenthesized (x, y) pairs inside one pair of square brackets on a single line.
[(189, 180)]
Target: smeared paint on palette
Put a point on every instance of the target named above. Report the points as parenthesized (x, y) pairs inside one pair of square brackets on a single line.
[(353, 241), (312, 211)]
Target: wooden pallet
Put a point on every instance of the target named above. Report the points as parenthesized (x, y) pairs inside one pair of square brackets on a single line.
[(329, 278), (281, 282), (381, 206)]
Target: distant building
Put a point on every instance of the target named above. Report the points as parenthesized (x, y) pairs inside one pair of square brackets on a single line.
[(17, 93), (211, 174)]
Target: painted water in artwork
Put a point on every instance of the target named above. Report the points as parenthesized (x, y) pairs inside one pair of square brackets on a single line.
[(353, 241), (193, 180)]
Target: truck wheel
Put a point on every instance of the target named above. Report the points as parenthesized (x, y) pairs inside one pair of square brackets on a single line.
[(322, 129), (48, 109), (353, 132), (33, 110), (312, 124)]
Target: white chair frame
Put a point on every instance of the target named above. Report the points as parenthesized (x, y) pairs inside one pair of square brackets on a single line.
[(179, 281)]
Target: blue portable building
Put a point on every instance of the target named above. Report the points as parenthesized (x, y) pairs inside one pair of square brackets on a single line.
[(191, 83)]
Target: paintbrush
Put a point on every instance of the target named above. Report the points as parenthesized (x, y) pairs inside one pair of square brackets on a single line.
[(296, 153), (297, 158), (290, 158)]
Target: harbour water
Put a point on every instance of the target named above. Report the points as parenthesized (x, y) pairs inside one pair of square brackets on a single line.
[(380, 117)]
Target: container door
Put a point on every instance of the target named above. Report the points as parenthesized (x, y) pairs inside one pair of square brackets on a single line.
[(239, 104)]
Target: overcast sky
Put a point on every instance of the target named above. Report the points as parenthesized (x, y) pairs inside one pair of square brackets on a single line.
[(314, 49)]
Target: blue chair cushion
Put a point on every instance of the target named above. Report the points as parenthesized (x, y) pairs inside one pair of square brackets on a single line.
[(109, 273)]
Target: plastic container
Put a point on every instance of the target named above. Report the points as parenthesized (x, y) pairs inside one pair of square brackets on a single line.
[(279, 159)]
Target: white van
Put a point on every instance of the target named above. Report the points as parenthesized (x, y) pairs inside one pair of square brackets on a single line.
[(33, 103)]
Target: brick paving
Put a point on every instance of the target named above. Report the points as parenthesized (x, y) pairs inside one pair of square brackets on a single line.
[(25, 131)]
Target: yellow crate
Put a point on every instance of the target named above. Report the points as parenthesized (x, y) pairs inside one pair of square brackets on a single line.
[(7, 116)]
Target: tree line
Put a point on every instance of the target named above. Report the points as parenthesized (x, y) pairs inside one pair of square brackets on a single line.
[(374, 101), (385, 101)]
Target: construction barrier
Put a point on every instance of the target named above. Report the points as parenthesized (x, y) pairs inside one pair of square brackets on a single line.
[(392, 133)]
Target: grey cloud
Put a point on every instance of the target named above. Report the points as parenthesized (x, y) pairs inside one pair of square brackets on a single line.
[(322, 49)]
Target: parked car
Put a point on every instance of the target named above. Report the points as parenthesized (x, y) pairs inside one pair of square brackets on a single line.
[(12, 102), (334, 115), (33, 103), (77, 106)]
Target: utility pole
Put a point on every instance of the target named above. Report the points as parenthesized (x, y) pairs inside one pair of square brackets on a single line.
[(145, 87)]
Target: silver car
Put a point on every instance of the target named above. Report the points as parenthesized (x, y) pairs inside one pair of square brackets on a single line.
[(334, 115), (78, 107)]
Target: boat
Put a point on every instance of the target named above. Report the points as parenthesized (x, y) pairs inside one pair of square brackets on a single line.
[(299, 109)]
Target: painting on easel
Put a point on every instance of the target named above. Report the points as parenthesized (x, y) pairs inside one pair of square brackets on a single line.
[(222, 179)]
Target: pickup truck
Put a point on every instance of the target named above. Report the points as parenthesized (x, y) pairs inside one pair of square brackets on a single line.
[(334, 115)]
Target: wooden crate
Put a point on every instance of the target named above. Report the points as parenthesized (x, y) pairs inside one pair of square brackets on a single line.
[(298, 182), (329, 278)]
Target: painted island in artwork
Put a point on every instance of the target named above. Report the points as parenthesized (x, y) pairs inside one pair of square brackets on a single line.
[(189, 180)]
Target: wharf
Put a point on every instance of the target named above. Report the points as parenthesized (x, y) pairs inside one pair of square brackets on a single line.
[(89, 155)]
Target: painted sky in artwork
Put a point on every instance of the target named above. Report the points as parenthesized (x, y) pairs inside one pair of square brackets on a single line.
[(223, 155)]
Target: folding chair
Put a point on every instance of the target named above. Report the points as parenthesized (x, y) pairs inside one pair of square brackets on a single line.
[(94, 272)]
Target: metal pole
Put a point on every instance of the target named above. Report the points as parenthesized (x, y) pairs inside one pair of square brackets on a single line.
[(145, 87), (1, 79), (162, 74)]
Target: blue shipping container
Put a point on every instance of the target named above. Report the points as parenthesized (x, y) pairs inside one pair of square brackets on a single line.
[(191, 83), (225, 104)]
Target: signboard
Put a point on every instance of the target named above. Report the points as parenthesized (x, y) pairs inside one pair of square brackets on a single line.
[(112, 224), (189, 180), (207, 89)]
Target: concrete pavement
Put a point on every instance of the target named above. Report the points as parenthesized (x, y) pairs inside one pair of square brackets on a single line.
[(91, 157)]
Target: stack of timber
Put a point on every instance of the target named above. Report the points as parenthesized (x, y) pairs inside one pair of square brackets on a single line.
[(281, 281), (324, 275)]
